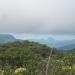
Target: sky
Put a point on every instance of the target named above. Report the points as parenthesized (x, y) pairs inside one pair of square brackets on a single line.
[(37, 16)]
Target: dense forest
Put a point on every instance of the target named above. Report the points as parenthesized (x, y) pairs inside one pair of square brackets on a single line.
[(32, 58)]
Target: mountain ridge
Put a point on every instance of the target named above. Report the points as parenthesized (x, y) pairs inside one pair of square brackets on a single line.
[(50, 41), (6, 38)]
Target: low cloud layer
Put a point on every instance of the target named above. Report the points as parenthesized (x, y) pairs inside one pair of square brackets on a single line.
[(37, 16)]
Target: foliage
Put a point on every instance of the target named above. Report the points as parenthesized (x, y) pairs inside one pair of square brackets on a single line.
[(29, 58)]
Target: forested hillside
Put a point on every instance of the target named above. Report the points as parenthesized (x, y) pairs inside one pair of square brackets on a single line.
[(31, 58)]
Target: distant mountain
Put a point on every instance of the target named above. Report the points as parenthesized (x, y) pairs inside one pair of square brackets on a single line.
[(67, 47), (5, 38), (49, 41), (59, 44)]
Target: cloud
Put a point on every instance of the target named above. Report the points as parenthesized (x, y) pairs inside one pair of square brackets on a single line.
[(37, 16)]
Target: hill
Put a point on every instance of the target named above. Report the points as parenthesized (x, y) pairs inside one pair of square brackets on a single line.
[(37, 48), (5, 38)]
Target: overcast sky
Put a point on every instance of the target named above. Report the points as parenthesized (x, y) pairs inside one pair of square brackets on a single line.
[(37, 16)]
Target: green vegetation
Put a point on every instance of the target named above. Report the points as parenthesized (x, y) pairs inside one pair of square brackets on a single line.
[(35, 59)]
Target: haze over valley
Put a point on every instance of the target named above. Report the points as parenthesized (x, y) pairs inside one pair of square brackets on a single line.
[(58, 42)]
